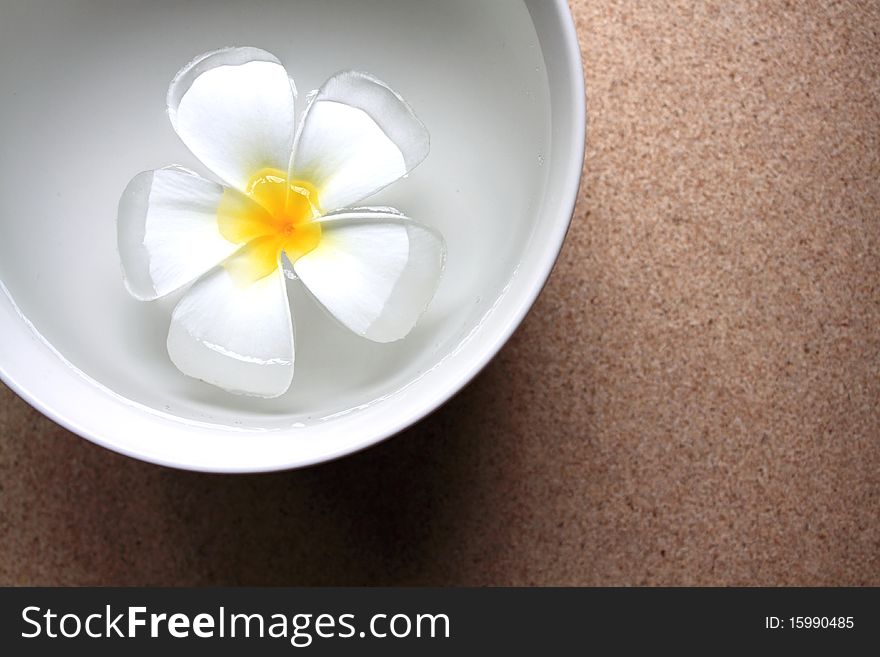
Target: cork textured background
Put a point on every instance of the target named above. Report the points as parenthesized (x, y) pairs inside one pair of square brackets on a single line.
[(692, 400)]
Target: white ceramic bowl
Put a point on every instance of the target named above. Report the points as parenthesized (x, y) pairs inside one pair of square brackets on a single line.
[(497, 82)]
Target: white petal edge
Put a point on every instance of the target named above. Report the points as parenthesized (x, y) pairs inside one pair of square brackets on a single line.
[(235, 336), (374, 271), (167, 231), (234, 109), (357, 136)]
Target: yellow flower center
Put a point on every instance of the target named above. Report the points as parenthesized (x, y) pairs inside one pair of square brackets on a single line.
[(281, 218)]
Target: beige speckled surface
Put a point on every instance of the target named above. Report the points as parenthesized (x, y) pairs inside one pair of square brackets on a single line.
[(693, 400)]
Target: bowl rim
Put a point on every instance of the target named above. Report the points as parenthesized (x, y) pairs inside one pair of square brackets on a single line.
[(32, 357)]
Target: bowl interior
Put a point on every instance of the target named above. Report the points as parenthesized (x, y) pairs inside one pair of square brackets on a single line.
[(83, 110)]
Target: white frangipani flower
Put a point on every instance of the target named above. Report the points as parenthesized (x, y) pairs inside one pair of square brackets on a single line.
[(288, 191)]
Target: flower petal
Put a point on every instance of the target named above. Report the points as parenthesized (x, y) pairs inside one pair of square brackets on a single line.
[(234, 109), (357, 137), (167, 230), (375, 271), (235, 334)]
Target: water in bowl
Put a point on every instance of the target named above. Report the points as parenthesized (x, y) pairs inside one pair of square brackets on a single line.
[(83, 110)]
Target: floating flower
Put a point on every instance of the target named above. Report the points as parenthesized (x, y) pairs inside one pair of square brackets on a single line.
[(286, 204)]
